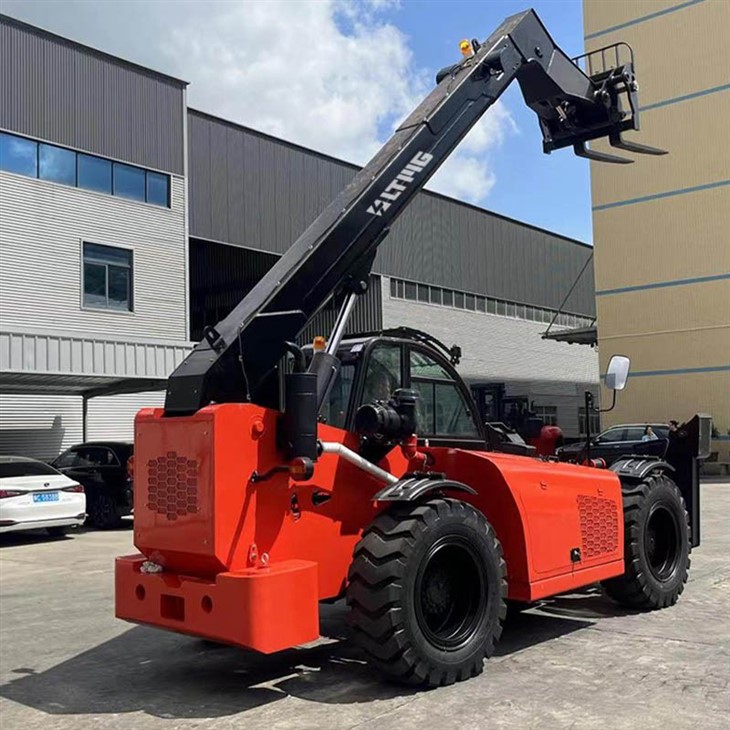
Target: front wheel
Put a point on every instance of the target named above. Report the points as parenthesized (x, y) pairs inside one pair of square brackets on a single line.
[(427, 590), (656, 545)]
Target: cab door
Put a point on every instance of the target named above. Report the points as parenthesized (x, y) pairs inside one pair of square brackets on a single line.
[(447, 415)]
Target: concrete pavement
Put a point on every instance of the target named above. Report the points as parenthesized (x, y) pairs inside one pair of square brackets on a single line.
[(578, 661)]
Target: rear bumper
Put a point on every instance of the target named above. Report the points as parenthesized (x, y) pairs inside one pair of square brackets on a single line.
[(18, 525), (266, 609)]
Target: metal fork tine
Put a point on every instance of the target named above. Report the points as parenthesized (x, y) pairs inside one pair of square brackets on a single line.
[(581, 150), (616, 140)]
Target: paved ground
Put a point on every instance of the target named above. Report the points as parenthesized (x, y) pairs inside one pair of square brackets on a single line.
[(578, 662)]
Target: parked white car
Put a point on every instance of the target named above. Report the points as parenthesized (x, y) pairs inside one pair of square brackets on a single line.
[(34, 495)]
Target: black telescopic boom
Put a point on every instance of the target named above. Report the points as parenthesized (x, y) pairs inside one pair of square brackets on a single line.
[(233, 361)]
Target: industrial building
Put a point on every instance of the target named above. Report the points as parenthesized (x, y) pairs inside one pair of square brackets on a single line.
[(662, 253), (128, 222)]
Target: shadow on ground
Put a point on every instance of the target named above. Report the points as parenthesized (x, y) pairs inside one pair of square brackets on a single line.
[(172, 676)]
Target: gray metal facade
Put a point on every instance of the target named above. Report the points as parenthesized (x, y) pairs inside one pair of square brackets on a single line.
[(252, 190), (56, 90)]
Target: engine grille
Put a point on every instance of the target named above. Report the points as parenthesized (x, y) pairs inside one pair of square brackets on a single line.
[(599, 520), (172, 485)]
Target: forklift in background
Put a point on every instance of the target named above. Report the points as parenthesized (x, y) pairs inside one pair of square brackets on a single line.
[(513, 416), (250, 509)]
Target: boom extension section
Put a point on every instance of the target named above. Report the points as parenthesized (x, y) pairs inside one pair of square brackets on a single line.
[(236, 360)]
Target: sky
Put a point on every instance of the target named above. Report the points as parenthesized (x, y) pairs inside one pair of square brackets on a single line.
[(337, 76)]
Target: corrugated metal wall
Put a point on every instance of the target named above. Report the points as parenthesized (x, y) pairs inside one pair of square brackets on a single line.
[(42, 426), (252, 190), (42, 226), (39, 426), (55, 90), (220, 276), (112, 417), (367, 316)]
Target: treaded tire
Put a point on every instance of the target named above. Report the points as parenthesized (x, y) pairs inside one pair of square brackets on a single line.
[(656, 545), (426, 591), (102, 511)]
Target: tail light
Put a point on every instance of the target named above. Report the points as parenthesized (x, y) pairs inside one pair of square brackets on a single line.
[(73, 488), (5, 493)]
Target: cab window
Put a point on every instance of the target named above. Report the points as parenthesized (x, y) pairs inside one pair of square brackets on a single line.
[(442, 409), (334, 411), (383, 374)]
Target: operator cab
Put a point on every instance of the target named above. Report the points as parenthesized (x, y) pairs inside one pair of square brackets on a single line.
[(373, 367)]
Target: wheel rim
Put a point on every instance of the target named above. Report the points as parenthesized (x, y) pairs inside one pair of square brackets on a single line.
[(450, 595), (662, 542)]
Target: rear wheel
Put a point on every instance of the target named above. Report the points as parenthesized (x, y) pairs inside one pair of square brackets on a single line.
[(656, 545), (427, 592), (102, 511)]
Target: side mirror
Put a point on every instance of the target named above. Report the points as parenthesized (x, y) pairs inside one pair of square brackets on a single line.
[(618, 372)]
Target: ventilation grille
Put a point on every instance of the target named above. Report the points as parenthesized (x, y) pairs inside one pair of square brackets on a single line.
[(598, 525), (172, 483)]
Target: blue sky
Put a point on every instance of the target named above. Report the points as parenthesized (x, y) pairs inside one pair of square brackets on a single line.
[(338, 75), (550, 191)]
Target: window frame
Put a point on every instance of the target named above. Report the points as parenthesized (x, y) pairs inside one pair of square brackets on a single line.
[(595, 421), (552, 416), (454, 379), (95, 308), (112, 163), (30, 141)]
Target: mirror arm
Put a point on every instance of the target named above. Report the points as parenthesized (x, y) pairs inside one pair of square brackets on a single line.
[(606, 410), (590, 408)]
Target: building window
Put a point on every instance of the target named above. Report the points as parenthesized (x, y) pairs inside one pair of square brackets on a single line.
[(402, 289), (18, 155), (548, 414), (158, 189), (595, 422), (76, 169), (56, 164), (107, 277), (95, 174), (128, 182)]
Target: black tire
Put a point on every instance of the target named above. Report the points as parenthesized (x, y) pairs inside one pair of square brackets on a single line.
[(426, 592), (102, 511), (656, 545), (56, 531)]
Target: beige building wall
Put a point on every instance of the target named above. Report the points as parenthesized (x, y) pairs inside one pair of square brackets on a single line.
[(661, 226)]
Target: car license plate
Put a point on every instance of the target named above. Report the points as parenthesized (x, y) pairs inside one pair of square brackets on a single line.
[(45, 497)]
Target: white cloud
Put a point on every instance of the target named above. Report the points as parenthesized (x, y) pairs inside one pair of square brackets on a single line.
[(467, 174), (333, 76)]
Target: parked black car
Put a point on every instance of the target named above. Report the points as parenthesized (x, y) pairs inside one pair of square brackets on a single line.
[(618, 441), (101, 466)]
